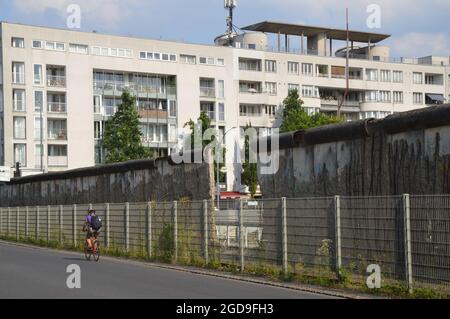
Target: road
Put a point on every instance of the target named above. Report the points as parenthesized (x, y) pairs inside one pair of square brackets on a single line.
[(29, 273)]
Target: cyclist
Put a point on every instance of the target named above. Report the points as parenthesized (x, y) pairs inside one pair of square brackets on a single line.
[(92, 227)]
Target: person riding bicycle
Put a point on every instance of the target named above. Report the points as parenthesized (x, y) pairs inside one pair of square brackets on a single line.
[(92, 227)]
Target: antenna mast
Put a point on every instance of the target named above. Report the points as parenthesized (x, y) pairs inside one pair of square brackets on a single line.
[(230, 5)]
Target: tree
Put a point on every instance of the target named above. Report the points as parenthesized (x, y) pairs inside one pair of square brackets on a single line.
[(206, 124), (249, 174), (123, 139), (296, 118)]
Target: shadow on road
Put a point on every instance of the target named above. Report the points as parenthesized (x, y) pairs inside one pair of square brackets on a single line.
[(75, 259)]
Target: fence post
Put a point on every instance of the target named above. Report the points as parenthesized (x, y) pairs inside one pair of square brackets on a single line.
[(148, 229), (48, 223), (127, 226), (8, 229), (338, 231), (284, 235), (27, 217), (1, 221), (61, 227), (17, 223), (241, 234), (74, 224), (205, 231), (175, 230), (107, 224), (36, 224), (407, 229)]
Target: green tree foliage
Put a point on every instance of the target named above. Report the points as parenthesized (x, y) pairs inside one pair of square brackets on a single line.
[(249, 174), (296, 118), (123, 139)]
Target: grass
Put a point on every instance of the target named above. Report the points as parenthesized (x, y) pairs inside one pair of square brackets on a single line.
[(163, 251)]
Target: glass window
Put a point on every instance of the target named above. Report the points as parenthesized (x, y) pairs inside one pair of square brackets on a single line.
[(18, 72), (398, 76), (418, 98), (271, 88), (221, 112), (19, 100), (398, 97), (78, 48), (293, 67), (17, 42), (221, 62), (150, 55), (221, 85), (157, 56), (372, 74), (37, 74), (57, 150), (292, 87), (271, 66), (202, 60), (417, 78), (189, 59), (173, 58), (60, 46), (38, 129), (50, 45), (172, 108), (385, 76), (38, 101), (307, 69), (20, 154), (385, 96), (20, 128), (165, 57), (37, 44)]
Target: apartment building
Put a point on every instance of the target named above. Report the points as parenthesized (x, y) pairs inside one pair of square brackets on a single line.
[(58, 87)]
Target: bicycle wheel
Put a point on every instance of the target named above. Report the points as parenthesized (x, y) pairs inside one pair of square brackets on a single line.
[(97, 251), (87, 251)]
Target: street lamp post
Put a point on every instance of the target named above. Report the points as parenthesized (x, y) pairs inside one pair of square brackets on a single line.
[(218, 168)]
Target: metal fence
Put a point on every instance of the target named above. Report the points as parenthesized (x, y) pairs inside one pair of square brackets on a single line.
[(408, 237)]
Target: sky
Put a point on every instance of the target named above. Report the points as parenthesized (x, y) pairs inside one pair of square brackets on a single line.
[(418, 27)]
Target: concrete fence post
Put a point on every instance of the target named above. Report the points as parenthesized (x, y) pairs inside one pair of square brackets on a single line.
[(74, 224), (284, 235), (338, 234), (8, 229), (127, 226), (407, 230), (48, 223), (27, 220), (61, 223), (17, 223), (175, 230), (205, 232), (36, 223), (148, 229), (107, 225), (1, 221), (241, 234)]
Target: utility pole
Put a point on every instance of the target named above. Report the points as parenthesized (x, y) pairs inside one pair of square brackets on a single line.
[(347, 68)]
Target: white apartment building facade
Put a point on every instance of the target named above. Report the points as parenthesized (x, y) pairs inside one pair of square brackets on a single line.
[(59, 87)]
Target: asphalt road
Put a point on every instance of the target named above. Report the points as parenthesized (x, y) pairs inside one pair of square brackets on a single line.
[(29, 273)]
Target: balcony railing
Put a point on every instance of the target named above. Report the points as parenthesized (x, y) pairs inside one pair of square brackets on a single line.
[(207, 92), (334, 102), (120, 87), (58, 135), (249, 67), (57, 107), (57, 161), (56, 81)]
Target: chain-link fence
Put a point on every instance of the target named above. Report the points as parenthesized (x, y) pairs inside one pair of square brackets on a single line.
[(407, 237)]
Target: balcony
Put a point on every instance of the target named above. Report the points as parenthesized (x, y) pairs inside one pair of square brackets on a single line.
[(58, 81), (57, 161), (60, 135), (208, 92), (335, 103), (153, 114), (57, 107)]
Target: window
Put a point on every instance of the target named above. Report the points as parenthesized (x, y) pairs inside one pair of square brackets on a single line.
[(417, 98), (172, 108), (38, 153), (271, 88), (206, 60), (97, 130), (221, 87), (385, 96), (310, 91), (398, 76), (307, 69), (18, 72), (271, 66), (398, 97), (202, 60), (20, 128), (385, 76), (157, 56), (55, 46), (293, 67), (371, 96), (165, 57), (221, 112), (188, 59), (38, 101), (37, 69), (37, 44), (57, 150), (19, 100), (417, 78), (78, 48), (292, 87), (17, 42), (220, 62), (38, 129), (271, 110), (20, 154), (57, 129), (372, 75)]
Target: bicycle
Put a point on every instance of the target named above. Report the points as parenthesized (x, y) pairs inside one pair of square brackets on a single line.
[(94, 251)]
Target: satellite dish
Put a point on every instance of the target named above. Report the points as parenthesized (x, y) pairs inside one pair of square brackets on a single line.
[(253, 91)]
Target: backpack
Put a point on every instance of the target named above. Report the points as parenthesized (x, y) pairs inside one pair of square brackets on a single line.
[(96, 222)]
